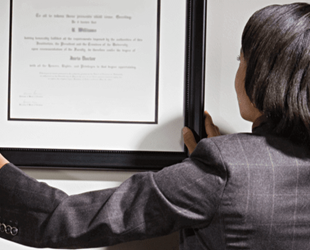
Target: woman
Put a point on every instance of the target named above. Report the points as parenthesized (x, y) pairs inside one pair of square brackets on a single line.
[(239, 191)]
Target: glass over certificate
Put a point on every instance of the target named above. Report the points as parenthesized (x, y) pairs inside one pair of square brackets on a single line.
[(100, 83), (84, 60)]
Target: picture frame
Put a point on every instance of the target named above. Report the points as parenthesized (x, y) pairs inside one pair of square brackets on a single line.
[(194, 78)]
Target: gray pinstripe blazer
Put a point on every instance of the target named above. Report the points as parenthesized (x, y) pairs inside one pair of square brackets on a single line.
[(240, 191)]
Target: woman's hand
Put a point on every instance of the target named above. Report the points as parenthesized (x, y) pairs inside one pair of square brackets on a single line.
[(3, 161), (210, 128)]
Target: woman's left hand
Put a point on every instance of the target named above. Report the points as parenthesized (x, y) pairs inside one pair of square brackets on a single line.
[(211, 131), (3, 161)]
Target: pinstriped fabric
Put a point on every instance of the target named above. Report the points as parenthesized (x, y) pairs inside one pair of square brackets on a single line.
[(296, 204), (273, 195), (266, 200), (248, 183)]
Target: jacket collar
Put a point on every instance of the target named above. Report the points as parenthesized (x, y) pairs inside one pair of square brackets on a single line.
[(260, 124), (259, 121)]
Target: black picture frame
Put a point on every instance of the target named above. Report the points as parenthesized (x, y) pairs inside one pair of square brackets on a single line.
[(137, 160)]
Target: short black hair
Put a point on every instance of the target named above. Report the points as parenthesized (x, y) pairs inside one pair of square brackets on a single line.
[(276, 48)]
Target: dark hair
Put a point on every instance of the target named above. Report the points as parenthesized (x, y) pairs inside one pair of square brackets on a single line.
[(276, 47)]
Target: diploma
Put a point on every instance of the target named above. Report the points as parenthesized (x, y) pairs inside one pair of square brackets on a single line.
[(81, 60)]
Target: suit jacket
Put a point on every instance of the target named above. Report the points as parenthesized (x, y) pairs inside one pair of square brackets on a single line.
[(240, 191)]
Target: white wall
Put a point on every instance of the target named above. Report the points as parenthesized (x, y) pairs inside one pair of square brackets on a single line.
[(226, 19)]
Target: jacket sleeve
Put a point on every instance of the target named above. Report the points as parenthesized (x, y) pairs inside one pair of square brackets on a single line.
[(144, 206)]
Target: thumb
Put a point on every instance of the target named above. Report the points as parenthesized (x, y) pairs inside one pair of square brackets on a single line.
[(189, 139), (211, 129)]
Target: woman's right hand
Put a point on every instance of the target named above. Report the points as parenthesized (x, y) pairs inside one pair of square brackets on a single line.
[(210, 128)]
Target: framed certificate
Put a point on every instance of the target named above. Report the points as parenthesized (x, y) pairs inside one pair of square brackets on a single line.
[(102, 83)]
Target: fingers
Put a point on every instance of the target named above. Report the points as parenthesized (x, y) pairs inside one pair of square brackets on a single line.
[(3, 161), (189, 139), (211, 129)]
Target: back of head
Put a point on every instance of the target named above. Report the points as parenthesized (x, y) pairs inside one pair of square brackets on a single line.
[(276, 47)]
